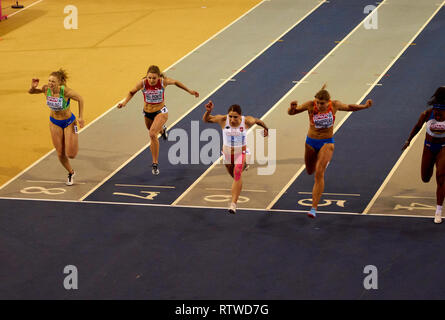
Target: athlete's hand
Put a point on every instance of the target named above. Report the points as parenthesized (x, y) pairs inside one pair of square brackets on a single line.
[(294, 104), (81, 122), (195, 93), (405, 145), (368, 103), (120, 105), (209, 106), (34, 83), (266, 132)]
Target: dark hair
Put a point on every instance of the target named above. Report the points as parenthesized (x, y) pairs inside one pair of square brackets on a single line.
[(236, 108), (155, 69), (323, 94), (438, 97), (61, 75)]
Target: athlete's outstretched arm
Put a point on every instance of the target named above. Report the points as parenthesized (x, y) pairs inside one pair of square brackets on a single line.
[(295, 108), (251, 121), (130, 95), (422, 119), (76, 97), (207, 117), (34, 87), (168, 81), (352, 107)]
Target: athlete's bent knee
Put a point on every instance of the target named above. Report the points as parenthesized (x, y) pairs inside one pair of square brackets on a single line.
[(72, 155), (153, 134), (237, 172), (319, 174)]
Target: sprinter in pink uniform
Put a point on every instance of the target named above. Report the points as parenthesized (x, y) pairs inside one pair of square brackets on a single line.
[(234, 129)]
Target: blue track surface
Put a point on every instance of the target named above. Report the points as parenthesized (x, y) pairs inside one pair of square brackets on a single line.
[(369, 143), (129, 252), (257, 89)]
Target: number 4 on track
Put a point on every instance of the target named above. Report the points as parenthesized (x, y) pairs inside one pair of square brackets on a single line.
[(415, 206)]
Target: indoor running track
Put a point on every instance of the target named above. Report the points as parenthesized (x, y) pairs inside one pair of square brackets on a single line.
[(148, 248)]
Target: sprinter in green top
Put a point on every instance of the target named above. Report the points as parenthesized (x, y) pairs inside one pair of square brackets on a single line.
[(63, 123)]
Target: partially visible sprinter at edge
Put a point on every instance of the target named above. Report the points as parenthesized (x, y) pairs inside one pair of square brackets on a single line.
[(433, 150)]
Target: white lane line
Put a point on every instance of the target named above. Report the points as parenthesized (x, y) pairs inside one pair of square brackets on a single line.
[(270, 110), (364, 96), (51, 182), (27, 7), (136, 204), (114, 107), (334, 194), (199, 103), (413, 197), (391, 173), (223, 189), (143, 186), (280, 194), (393, 170)]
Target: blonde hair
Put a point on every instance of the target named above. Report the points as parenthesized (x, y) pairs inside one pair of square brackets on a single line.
[(61, 75), (323, 94)]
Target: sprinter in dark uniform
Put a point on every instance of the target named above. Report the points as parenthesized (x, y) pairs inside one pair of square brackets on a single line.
[(433, 150)]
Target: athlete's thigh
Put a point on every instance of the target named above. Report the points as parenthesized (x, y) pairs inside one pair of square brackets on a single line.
[(158, 122), (148, 122), (310, 158), (427, 166), (71, 139), (325, 155), (57, 138), (440, 164), (230, 168)]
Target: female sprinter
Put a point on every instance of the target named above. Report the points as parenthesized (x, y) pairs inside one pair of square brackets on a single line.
[(156, 113), (433, 151), (319, 146), (63, 123), (234, 129)]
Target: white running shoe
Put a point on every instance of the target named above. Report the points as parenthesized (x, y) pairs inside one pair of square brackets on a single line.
[(232, 208), (155, 169), (70, 180), (438, 217)]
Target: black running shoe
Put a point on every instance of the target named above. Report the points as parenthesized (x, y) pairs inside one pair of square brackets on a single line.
[(164, 133), (70, 180), (154, 169)]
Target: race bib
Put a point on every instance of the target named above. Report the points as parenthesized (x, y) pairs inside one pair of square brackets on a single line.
[(153, 96), (323, 120), (55, 103)]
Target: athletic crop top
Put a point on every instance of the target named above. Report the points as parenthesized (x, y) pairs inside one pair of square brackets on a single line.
[(435, 128), (322, 120), (153, 94), (235, 136), (57, 103)]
